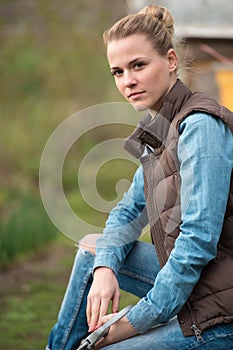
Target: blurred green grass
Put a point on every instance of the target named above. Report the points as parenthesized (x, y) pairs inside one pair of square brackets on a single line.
[(24, 227), (52, 64)]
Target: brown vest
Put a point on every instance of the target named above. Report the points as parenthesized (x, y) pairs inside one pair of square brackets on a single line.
[(211, 301)]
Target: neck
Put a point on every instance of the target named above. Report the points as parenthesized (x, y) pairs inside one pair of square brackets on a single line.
[(153, 112)]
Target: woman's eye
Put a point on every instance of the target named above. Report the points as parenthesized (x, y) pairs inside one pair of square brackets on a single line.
[(117, 72), (138, 65)]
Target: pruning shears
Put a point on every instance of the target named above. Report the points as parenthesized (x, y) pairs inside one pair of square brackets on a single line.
[(91, 340)]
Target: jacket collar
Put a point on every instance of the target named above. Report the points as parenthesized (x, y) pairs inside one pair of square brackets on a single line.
[(153, 131)]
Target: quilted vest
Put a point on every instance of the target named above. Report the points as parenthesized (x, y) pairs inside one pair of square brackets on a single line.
[(211, 301)]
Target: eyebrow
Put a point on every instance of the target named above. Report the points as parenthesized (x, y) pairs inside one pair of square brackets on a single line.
[(131, 62)]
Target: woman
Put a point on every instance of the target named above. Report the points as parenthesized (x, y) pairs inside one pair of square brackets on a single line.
[(184, 188)]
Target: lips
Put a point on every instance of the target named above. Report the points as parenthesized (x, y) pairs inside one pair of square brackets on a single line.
[(135, 94)]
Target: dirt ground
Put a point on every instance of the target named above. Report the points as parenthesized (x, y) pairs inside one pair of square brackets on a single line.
[(31, 291), (17, 277)]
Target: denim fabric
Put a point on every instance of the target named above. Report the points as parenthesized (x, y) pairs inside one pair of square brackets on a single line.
[(206, 148), (170, 337), (135, 276), (72, 324), (205, 151)]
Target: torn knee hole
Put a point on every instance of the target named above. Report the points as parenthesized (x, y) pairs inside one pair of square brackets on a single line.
[(89, 242)]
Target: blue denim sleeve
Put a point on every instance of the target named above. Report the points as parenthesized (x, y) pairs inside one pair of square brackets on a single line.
[(123, 227), (205, 152)]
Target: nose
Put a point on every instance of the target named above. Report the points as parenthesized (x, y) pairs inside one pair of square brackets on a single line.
[(129, 79)]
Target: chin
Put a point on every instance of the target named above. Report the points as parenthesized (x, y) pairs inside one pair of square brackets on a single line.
[(139, 108)]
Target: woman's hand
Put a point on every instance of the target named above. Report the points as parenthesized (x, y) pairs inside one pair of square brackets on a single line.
[(119, 331), (104, 289)]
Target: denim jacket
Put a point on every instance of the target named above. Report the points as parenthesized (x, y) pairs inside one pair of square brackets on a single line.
[(127, 219)]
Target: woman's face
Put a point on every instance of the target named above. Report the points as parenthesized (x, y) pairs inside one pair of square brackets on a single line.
[(142, 76)]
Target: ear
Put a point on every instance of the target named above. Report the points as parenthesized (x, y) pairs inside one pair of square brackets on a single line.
[(172, 60)]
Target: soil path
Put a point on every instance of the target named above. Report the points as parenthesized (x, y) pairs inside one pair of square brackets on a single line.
[(31, 291), (16, 277)]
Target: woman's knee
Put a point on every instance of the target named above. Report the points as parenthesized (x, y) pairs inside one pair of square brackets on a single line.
[(89, 242)]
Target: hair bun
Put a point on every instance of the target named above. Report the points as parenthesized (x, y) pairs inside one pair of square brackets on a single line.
[(161, 14)]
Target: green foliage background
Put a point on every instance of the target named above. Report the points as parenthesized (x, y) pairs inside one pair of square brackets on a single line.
[(52, 64)]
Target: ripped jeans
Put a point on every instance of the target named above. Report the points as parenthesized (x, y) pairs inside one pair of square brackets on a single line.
[(137, 277)]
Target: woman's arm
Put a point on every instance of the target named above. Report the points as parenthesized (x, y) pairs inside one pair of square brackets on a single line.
[(123, 227)]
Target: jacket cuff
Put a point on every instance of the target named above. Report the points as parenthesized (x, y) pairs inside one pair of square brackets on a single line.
[(107, 259), (145, 321)]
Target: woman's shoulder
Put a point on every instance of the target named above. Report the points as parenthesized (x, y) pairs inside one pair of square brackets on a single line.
[(205, 121)]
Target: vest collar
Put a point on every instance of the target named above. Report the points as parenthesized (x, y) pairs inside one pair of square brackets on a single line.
[(153, 131)]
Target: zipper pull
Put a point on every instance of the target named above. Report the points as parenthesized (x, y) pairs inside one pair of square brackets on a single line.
[(197, 332)]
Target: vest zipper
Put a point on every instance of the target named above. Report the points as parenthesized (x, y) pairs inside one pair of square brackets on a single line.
[(194, 328), (197, 332)]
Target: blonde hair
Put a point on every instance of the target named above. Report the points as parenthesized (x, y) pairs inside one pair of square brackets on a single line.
[(154, 21)]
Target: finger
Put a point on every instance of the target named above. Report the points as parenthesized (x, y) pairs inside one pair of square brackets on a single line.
[(115, 302), (93, 313), (94, 316), (88, 310), (103, 310), (105, 319)]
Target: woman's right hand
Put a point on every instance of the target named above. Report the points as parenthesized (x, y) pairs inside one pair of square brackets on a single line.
[(104, 289)]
